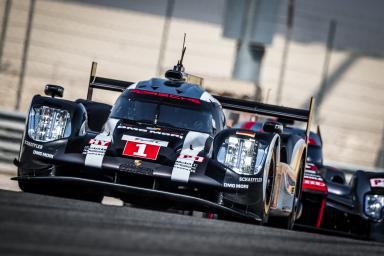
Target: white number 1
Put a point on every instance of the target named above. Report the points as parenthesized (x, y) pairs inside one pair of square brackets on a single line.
[(140, 150)]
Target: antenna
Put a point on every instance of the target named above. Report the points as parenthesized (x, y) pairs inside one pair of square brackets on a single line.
[(180, 62), (179, 66), (178, 74)]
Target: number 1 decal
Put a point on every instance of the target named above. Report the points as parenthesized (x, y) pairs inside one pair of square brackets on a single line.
[(141, 150), (142, 147)]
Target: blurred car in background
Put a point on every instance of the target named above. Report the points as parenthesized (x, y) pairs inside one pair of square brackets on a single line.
[(355, 207), (314, 186)]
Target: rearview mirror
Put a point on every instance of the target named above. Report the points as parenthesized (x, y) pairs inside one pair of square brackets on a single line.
[(273, 127), (54, 90)]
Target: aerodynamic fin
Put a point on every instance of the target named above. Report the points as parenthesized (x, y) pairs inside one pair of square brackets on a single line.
[(104, 83), (304, 115)]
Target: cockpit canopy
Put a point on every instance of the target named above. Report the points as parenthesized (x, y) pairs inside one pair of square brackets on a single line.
[(168, 110)]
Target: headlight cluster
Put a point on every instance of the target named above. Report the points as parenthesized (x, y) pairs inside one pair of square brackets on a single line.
[(239, 154), (374, 206), (48, 124)]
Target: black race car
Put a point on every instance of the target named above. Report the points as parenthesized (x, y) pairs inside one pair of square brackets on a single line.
[(357, 207), (164, 145)]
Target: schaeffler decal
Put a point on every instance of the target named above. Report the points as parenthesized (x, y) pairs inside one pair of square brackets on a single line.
[(377, 183), (150, 130), (96, 151), (142, 147), (194, 143), (250, 179)]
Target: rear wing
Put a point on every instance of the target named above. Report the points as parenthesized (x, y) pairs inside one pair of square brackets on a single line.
[(304, 115), (104, 83), (296, 114)]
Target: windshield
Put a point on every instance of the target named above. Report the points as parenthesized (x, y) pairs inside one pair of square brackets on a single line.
[(158, 113)]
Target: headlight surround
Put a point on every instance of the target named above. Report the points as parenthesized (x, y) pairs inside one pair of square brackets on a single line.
[(48, 124), (239, 154), (373, 206)]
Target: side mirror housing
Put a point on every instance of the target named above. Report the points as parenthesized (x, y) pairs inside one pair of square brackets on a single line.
[(54, 90), (273, 127)]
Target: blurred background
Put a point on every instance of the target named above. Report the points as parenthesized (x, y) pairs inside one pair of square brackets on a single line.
[(276, 51)]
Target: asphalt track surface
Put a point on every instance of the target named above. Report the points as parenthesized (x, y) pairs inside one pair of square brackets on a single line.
[(41, 225)]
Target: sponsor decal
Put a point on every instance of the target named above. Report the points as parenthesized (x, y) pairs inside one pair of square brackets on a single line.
[(251, 179), (99, 142), (311, 167), (249, 134), (142, 147), (96, 151), (377, 183), (154, 129), (141, 150), (312, 176), (85, 150), (134, 168), (235, 185), (127, 127), (33, 145), (316, 185), (42, 154), (193, 144), (150, 130), (314, 182), (198, 159), (137, 163), (185, 165)]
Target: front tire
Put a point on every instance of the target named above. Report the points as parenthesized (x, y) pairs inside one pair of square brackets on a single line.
[(269, 189), (289, 221)]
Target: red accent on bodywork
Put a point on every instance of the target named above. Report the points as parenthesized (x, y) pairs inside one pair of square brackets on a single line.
[(166, 95), (321, 213), (316, 185), (311, 167), (312, 141)]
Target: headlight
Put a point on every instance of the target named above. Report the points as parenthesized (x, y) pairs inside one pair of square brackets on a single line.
[(239, 155), (48, 124), (373, 206)]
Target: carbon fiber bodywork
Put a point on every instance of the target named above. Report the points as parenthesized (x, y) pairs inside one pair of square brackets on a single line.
[(162, 162)]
